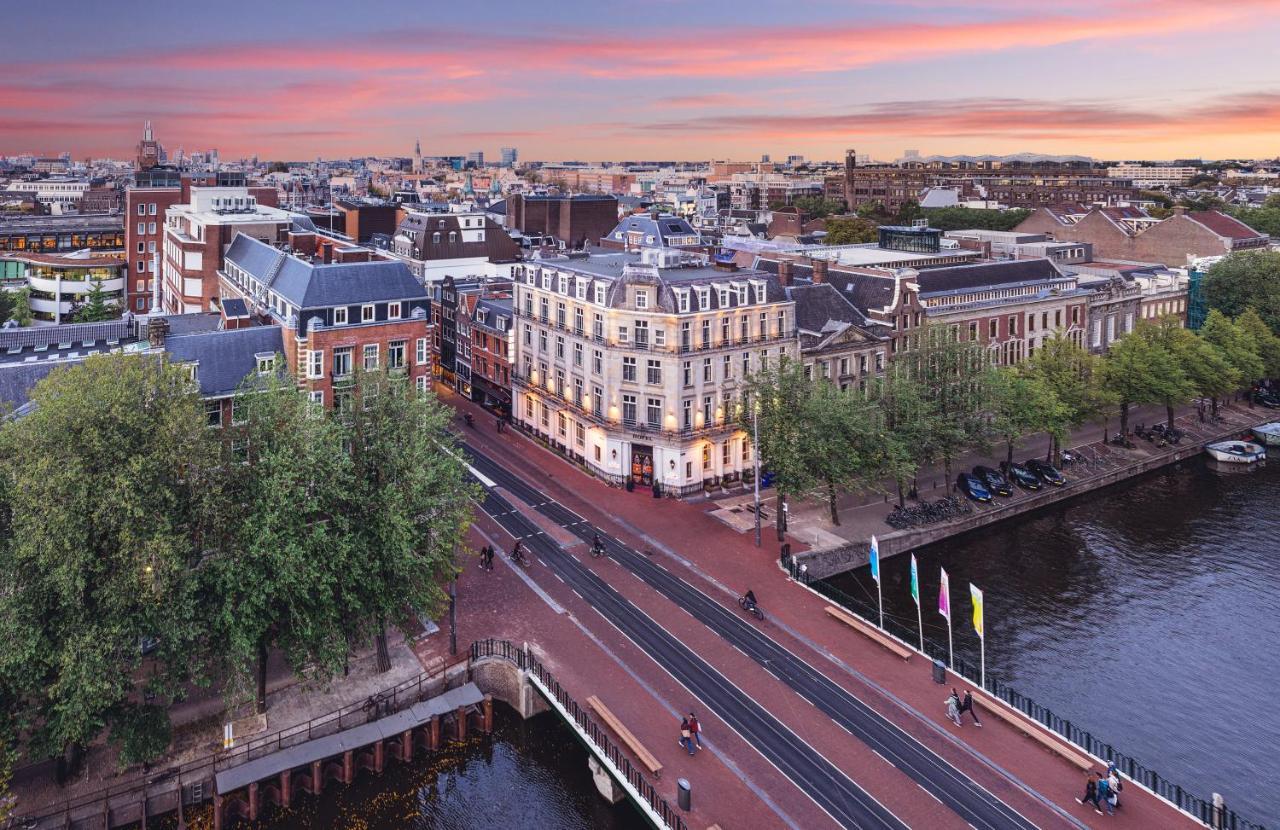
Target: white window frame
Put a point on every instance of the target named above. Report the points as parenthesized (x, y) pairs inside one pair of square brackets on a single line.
[(340, 315), (368, 313), (393, 311)]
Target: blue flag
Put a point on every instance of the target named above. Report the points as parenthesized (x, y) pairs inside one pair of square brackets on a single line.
[(875, 560)]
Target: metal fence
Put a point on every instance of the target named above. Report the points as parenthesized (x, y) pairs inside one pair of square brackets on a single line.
[(1129, 766), (506, 650)]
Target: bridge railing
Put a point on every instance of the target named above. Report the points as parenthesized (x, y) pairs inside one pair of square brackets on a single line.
[(506, 650), (1129, 766)]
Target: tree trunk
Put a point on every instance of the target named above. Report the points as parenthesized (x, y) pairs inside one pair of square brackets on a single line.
[(384, 656), (260, 702), (778, 520), (831, 501), (1213, 401), (1009, 458), (1124, 419), (1168, 408), (902, 496), (946, 467)]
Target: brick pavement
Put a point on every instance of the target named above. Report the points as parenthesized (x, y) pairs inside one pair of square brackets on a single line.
[(723, 563)]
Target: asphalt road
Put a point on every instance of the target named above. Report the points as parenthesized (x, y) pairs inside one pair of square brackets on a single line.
[(834, 791)]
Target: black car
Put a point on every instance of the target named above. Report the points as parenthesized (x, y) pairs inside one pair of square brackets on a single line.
[(972, 487), (996, 483), (1023, 477), (1046, 472), (1267, 399)]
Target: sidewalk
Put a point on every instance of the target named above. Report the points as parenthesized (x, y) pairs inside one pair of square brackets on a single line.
[(863, 514), (722, 562)]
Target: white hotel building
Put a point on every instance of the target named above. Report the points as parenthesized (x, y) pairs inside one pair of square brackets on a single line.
[(632, 363)]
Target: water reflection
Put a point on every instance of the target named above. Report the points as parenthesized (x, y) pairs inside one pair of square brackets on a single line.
[(1147, 613)]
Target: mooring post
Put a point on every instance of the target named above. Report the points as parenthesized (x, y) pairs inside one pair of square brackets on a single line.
[(433, 738), (217, 812), (317, 778), (286, 788), (253, 801), (348, 767), (488, 714), (462, 723), (406, 746), (377, 756)]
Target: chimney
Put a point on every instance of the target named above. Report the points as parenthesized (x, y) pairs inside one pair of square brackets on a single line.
[(819, 271), (157, 331), (303, 243), (784, 271)]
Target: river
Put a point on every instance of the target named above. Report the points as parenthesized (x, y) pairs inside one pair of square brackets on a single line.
[(526, 774), (1148, 614)]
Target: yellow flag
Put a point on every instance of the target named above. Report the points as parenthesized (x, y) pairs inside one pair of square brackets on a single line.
[(977, 608)]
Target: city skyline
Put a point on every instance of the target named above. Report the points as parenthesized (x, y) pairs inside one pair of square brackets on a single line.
[(1114, 80)]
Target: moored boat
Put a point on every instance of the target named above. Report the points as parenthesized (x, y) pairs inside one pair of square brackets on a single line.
[(1236, 452), (1268, 434)]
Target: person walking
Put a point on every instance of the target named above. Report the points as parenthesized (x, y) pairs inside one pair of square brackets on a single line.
[(1090, 791), (953, 708), (1114, 784), (1104, 795), (695, 729), (488, 557), (686, 740), (966, 705)]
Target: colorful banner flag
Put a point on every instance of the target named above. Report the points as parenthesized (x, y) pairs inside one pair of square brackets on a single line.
[(915, 581), (875, 560), (944, 596), (977, 608)]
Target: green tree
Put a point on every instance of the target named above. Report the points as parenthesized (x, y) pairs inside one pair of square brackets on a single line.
[(909, 212), (1203, 366), (1023, 403), (1139, 370), (847, 447), (106, 480), (277, 580), (816, 207), (872, 210), (6, 304), (1245, 279), (1236, 346), (958, 218), (850, 230), (775, 403), (95, 307), (412, 497), (1073, 376), (956, 376), (1266, 341), (21, 313), (911, 425)]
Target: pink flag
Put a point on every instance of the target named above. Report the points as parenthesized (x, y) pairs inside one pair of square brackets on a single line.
[(944, 596)]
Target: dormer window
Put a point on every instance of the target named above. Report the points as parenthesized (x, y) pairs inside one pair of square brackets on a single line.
[(600, 291), (393, 311), (193, 372), (760, 294), (642, 299), (340, 316), (366, 313), (704, 299), (435, 237), (724, 297), (682, 300), (453, 236), (266, 363)]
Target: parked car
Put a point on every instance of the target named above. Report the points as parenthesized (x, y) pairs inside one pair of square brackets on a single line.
[(1267, 399), (995, 482), (1023, 477), (1046, 472), (973, 487)]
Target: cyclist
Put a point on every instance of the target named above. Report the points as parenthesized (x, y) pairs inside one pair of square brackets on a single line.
[(751, 599)]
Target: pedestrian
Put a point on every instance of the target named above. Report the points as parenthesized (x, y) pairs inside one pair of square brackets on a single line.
[(1090, 791), (966, 705), (1114, 784), (953, 708), (484, 557), (686, 740), (695, 729), (488, 557), (1104, 795), (498, 421)]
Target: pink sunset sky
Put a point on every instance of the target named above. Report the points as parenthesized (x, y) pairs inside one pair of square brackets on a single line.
[(658, 80)]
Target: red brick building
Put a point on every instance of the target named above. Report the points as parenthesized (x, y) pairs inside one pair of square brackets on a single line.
[(335, 318), (576, 221), (1120, 234)]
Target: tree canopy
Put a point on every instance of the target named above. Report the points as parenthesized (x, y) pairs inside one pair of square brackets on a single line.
[(1248, 279), (850, 230)]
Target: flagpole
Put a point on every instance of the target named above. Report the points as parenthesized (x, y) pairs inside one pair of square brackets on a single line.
[(951, 662), (915, 595), (874, 556), (880, 602), (920, 623), (982, 669)]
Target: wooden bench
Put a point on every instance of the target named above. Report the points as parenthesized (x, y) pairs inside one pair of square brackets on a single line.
[(1038, 733), (644, 756), (870, 631)]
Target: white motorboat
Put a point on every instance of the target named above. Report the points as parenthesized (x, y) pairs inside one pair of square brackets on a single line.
[(1236, 452), (1268, 434)]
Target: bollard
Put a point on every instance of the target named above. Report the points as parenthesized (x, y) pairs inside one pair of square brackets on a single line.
[(939, 672), (684, 796)]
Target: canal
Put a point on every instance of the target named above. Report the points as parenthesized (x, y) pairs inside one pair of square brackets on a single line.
[(526, 774), (1148, 614)]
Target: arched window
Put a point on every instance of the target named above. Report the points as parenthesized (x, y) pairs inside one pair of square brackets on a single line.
[(453, 236), (435, 237)]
